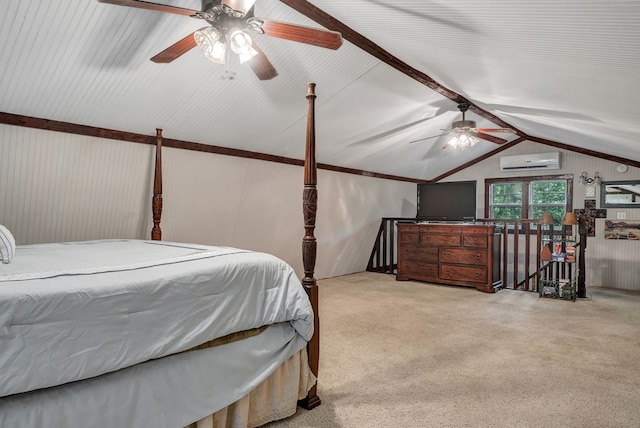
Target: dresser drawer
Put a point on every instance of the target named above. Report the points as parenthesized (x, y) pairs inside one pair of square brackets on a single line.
[(427, 254), (409, 238), (438, 239), (463, 273), (415, 268), (475, 240), (444, 229), (463, 255), (477, 230)]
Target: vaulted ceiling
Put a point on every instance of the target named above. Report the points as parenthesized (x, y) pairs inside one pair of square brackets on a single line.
[(562, 73)]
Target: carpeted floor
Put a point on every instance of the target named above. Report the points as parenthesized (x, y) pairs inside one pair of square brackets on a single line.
[(411, 354)]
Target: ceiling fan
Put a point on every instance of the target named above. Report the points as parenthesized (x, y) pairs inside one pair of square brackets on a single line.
[(228, 20), (465, 132)]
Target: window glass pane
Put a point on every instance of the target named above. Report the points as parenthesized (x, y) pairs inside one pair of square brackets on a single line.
[(549, 196), (505, 199), (506, 212), (506, 193), (549, 192)]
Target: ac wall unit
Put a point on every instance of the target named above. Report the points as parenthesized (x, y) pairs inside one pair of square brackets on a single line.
[(530, 162)]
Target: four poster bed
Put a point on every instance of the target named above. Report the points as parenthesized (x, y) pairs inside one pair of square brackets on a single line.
[(132, 333)]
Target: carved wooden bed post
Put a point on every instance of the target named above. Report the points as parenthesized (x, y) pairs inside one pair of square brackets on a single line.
[(309, 207), (156, 203)]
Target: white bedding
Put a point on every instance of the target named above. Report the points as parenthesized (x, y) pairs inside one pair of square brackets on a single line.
[(65, 318), (170, 392)]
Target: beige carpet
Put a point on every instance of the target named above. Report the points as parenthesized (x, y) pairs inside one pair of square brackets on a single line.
[(411, 354)]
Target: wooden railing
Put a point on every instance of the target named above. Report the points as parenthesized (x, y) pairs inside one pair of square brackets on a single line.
[(383, 255), (512, 262), (520, 252)]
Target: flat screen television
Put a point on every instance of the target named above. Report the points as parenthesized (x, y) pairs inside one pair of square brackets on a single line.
[(447, 201)]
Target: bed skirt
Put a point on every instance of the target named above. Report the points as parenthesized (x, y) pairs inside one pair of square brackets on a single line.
[(274, 399), (174, 391)]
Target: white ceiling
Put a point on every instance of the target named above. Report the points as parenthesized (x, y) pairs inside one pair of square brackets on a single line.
[(565, 71)]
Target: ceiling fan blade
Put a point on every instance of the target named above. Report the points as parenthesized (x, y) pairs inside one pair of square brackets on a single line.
[(152, 6), (426, 138), (509, 130), (239, 8), (488, 137), (175, 50), (261, 66), (297, 33)]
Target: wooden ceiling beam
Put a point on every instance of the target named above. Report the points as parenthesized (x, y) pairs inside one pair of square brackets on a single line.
[(112, 134), (357, 39), (330, 23), (587, 152)]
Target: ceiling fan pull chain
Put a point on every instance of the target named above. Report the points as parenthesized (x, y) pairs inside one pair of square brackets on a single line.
[(228, 74)]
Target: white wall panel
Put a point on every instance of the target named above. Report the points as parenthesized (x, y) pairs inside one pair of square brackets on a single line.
[(253, 204), (61, 187)]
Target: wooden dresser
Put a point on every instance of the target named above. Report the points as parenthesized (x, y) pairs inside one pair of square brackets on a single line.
[(450, 253)]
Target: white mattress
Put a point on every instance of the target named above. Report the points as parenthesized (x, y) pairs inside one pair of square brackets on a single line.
[(73, 311)]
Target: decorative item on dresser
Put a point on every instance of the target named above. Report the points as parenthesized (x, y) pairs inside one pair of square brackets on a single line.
[(450, 253)]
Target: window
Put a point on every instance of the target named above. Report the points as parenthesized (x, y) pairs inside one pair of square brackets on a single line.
[(529, 197)]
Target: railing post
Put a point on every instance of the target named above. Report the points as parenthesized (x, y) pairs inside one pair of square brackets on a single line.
[(392, 245), (371, 267), (505, 252), (527, 253), (539, 248), (384, 244), (582, 288), (516, 258)]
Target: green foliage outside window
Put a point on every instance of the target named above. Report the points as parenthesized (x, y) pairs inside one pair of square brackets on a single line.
[(506, 199), (549, 196)]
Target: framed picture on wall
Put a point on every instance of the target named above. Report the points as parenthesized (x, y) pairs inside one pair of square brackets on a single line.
[(624, 230)]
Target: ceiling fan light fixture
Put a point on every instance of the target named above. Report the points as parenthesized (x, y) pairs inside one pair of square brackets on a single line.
[(210, 40), (462, 141), (241, 43), (207, 37), (218, 54)]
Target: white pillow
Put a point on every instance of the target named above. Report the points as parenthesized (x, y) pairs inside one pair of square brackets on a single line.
[(7, 245)]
